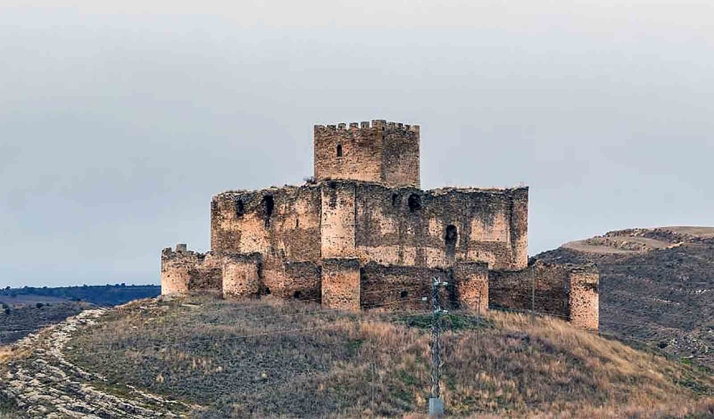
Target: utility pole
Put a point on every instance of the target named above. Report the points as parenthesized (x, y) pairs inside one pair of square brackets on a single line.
[(436, 403)]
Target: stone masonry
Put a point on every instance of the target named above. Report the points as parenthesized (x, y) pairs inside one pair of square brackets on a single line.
[(361, 234)]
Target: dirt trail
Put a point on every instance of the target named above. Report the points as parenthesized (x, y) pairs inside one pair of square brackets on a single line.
[(42, 383)]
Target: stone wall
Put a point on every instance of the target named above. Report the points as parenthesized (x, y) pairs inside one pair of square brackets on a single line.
[(337, 228), (341, 284), (471, 286), (298, 280), (241, 275), (397, 287), (183, 271), (566, 291), (274, 222), (437, 228), (390, 226), (584, 284), (383, 152)]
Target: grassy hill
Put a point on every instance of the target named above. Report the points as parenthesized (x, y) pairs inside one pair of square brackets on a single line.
[(273, 358), (656, 287)]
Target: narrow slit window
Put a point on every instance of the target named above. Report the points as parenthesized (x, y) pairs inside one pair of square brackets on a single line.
[(268, 205), (414, 202), (240, 208), (339, 150), (450, 239)]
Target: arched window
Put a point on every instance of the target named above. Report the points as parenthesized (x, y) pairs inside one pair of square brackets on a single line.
[(339, 150)]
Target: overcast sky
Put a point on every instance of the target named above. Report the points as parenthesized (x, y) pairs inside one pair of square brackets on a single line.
[(118, 123)]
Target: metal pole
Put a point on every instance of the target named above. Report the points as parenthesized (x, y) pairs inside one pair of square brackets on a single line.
[(436, 403)]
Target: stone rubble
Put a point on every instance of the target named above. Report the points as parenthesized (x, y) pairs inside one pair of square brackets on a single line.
[(44, 384)]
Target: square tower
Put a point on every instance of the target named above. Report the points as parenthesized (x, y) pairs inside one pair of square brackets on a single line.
[(382, 152)]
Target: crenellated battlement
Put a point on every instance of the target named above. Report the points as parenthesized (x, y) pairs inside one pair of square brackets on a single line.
[(374, 124), (378, 151)]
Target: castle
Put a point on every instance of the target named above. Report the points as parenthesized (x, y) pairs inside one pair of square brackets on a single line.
[(362, 234)]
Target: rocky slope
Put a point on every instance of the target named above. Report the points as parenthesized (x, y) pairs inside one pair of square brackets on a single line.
[(274, 358), (656, 287), (38, 381)]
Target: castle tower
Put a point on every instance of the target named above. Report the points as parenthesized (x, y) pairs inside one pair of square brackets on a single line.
[(382, 152)]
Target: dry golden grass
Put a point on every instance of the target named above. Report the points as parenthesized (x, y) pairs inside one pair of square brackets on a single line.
[(275, 358)]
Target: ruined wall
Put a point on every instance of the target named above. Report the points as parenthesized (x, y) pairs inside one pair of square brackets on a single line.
[(565, 291), (471, 285), (382, 152), (183, 271), (241, 275), (438, 228), (584, 297), (282, 222), (341, 284)]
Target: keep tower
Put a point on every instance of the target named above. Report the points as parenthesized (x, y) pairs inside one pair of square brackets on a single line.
[(381, 152)]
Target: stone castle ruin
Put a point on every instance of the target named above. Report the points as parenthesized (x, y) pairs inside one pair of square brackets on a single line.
[(361, 234)]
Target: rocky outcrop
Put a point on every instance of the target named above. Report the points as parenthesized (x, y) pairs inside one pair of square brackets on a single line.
[(40, 381)]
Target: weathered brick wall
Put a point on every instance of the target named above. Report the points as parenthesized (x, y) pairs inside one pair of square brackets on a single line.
[(276, 221), (184, 271), (341, 284), (471, 285), (565, 291), (241, 275), (382, 152), (407, 226)]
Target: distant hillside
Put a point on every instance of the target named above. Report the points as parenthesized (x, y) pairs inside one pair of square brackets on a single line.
[(102, 295), (26, 310), (656, 286), (205, 357)]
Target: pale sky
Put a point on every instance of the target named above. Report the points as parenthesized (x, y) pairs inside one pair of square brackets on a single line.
[(118, 123)]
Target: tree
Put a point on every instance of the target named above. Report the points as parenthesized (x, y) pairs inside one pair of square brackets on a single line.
[(39, 305)]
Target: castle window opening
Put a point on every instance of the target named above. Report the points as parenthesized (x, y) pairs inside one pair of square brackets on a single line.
[(267, 290), (297, 295), (268, 206), (414, 202), (403, 294), (450, 239), (395, 200), (240, 208), (339, 150)]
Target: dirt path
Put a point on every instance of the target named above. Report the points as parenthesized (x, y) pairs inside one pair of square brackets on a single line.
[(41, 382)]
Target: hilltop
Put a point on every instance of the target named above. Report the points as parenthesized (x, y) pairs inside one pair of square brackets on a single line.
[(208, 357), (656, 287)]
